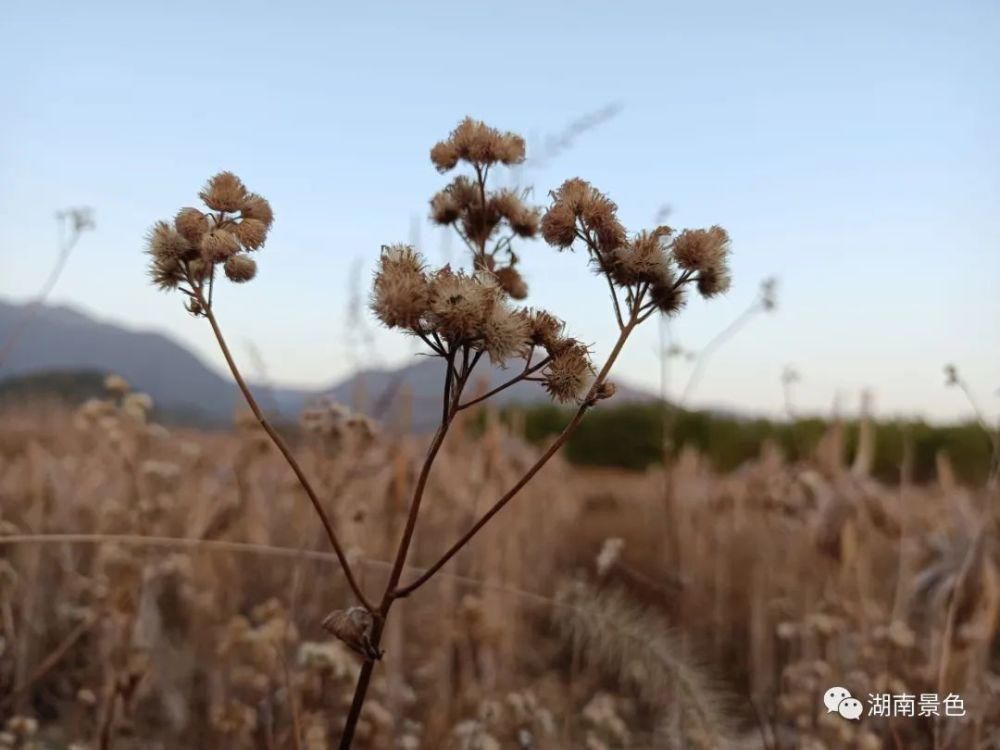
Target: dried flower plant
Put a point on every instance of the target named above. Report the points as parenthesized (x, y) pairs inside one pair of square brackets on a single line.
[(73, 222), (461, 316)]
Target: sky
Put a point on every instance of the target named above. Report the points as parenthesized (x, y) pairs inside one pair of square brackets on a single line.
[(852, 150)]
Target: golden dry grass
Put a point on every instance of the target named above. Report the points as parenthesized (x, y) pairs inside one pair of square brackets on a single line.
[(605, 610)]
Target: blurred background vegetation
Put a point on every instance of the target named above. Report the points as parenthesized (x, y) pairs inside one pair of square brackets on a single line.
[(631, 436)]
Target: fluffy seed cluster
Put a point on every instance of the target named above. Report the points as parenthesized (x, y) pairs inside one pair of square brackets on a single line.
[(187, 250), (462, 310), (477, 143), (477, 213), (656, 263)]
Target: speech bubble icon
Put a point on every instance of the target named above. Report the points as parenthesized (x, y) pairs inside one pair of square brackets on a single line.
[(833, 697), (850, 708)]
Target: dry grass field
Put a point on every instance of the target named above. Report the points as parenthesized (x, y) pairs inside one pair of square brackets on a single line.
[(166, 589)]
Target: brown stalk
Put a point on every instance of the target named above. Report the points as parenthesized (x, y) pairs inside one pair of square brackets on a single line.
[(452, 391), (556, 444), (282, 447)]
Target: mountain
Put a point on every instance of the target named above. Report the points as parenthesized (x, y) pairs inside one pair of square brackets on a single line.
[(184, 388)]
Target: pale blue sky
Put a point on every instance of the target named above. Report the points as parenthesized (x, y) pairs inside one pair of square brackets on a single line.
[(852, 149)]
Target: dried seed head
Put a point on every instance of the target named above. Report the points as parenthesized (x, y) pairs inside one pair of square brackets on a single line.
[(166, 273), (574, 193), (597, 212), (525, 223), (224, 192), (402, 293), (713, 281), (445, 209), (642, 260), (511, 149), (251, 233), (444, 155), (167, 243), (512, 282), (668, 297), (605, 390), (477, 143), (521, 218), (546, 329), (559, 225), (460, 304), (240, 268), (354, 628), (256, 207), (567, 376), (701, 249), (192, 224), (218, 245), (506, 335)]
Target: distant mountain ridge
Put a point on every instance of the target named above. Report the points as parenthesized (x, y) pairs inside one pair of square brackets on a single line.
[(64, 339)]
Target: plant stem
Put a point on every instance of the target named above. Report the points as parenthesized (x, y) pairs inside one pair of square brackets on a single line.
[(535, 468), (452, 392), (279, 443), (528, 371)]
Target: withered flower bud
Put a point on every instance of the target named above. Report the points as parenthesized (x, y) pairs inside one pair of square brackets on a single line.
[(166, 243), (460, 304), (559, 226), (713, 281), (192, 224), (240, 268), (477, 143), (444, 208), (642, 260), (256, 207), (401, 294), (701, 249), (251, 233), (224, 192), (506, 334), (525, 223), (575, 193), (567, 376), (166, 273), (218, 245), (667, 297), (512, 282), (444, 155), (605, 390), (354, 628), (510, 149), (546, 329)]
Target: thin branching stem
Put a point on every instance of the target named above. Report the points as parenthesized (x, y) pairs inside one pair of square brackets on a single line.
[(523, 375), (282, 447), (553, 448), (452, 391), (592, 247)]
